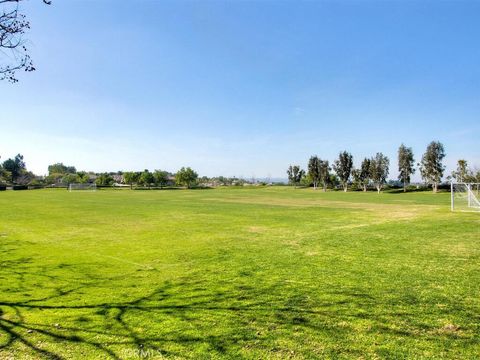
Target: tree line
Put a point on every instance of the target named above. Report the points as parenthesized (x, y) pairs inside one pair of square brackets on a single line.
[(374, 171), (13, 171)]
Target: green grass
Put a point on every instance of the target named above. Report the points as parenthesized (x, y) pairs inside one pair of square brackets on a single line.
[(268, 273)]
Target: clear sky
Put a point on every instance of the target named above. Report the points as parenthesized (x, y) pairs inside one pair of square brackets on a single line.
[(242, 87)]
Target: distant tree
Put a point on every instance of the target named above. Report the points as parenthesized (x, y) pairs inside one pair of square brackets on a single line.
[(57, 172), (161, 178), (364, 175), (4, 174), (104, 179), (343, 167), (146, 178), (379, 170), (356, 178), (15, 167), (131, 178), (13, 50), (406, 165), (324, 174), (290, 174), (238, 182), (462, 174), (295, 174), (186, 177), (361, 176), (222, 180), (431, 166), (83, 177), (53, 179), (59, 168), (205, 181), (474, 176), (314, 170), (333, 180), (68, 179), (26, 178), (305, 181)]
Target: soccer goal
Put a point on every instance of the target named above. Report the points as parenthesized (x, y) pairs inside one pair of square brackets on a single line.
[(464, 196), (87, 187)]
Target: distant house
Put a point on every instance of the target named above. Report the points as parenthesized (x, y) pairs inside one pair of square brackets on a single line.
[(92, 177), (171, 180), (118, 178)]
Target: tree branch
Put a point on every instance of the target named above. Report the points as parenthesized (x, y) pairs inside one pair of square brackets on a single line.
[(13, 26)]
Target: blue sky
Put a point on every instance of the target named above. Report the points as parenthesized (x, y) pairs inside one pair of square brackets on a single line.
[(243, 88)]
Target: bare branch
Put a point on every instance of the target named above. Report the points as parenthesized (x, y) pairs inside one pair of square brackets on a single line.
[(13, 26)]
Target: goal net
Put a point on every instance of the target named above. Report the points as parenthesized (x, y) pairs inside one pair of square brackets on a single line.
[(88, 187), (465, 196)]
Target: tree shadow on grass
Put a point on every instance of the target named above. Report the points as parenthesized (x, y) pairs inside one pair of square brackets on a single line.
[(179, 316), (182, 302)]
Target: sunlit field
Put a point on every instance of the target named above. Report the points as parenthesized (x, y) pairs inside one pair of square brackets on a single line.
[(268, 273)]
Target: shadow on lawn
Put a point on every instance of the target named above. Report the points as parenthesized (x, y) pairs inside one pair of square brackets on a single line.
[(187, 304), (114, 314), (184, 302)]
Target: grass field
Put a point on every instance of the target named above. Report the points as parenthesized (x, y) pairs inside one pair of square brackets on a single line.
[(237, 273)]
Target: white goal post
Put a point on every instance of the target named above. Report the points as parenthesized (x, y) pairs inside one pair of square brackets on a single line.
[(465, 196), (87, 187)]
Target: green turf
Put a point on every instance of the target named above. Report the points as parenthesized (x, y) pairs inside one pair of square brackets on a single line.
[(237, 273)]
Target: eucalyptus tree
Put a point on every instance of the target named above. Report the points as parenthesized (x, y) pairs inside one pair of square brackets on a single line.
[(343, 167), (462, 173), (365, 173), (295, 174), (406, 165), (379, 170), (356, 178), (314, 170), (431, 165), (324, 174)]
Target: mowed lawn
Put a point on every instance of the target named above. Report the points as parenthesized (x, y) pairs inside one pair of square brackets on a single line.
[(267, 273)]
